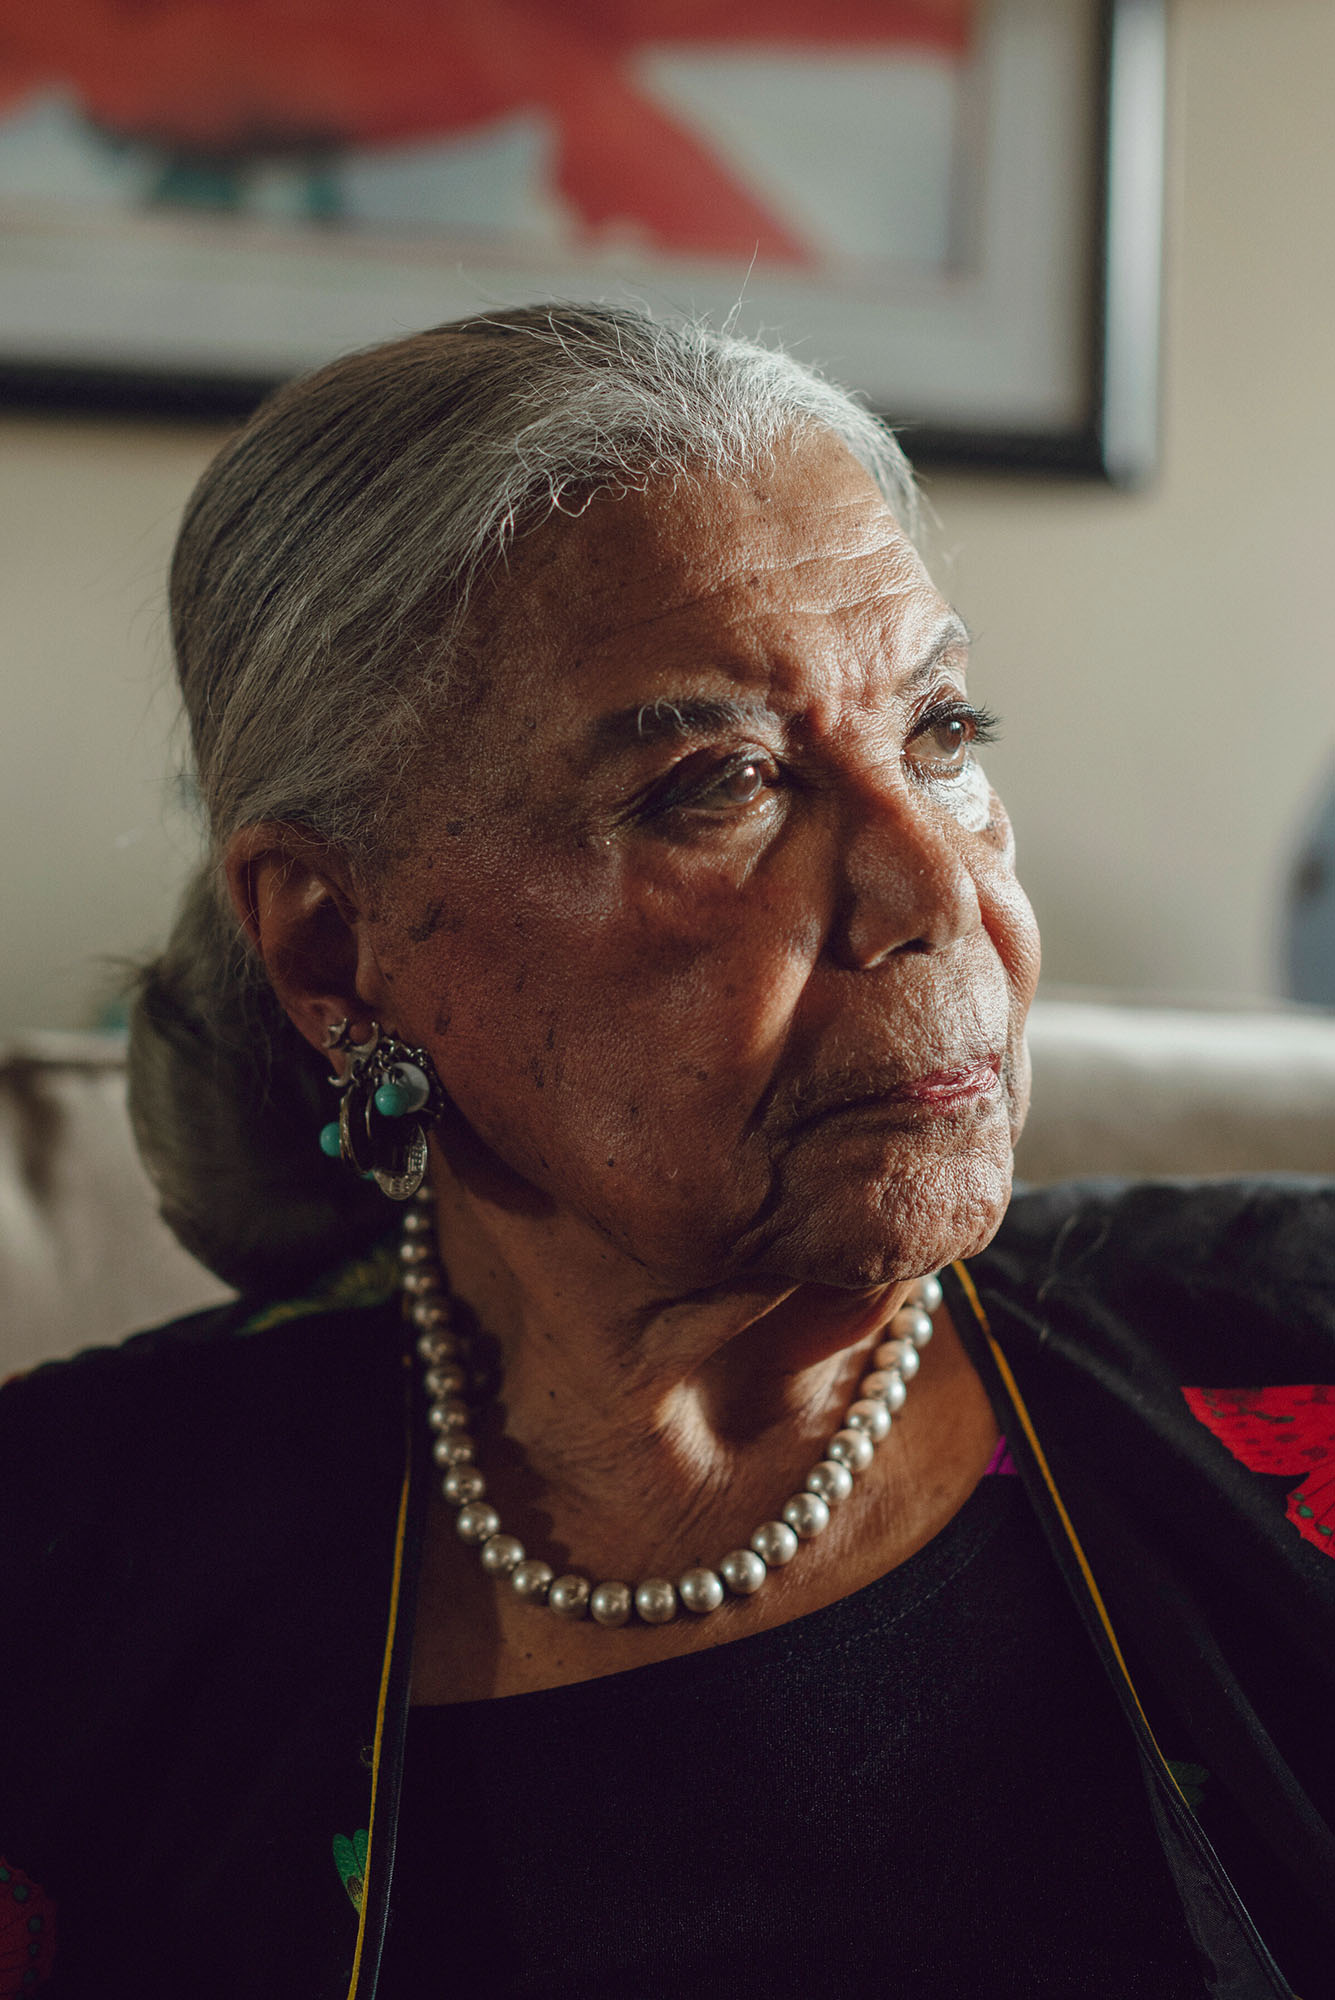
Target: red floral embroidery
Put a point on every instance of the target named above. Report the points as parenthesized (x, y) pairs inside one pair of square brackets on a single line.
[(27, 1934), (1288, 1430)]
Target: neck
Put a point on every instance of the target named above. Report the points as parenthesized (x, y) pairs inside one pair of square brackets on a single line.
[(635, 1424)]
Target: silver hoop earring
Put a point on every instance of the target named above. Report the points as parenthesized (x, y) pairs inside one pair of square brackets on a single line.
[(389, 1096)]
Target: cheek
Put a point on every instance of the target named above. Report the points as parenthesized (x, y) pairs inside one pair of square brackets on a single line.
[(1019, 1090), (1007, 912), (614, 1023), (968, 799), (1010, 923), (692, 996), (1010, 918)]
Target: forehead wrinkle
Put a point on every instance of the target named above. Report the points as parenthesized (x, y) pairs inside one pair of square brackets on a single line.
[(873, 670), (765, 676), (739, 571), (697, 709)]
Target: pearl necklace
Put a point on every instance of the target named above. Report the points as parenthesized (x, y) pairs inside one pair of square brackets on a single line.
[(658, 1599)]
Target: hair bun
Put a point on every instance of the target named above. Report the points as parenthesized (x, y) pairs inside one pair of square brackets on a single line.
[(227, 1100)]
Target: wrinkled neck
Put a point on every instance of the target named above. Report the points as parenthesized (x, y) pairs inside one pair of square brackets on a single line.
[(631, 1416)]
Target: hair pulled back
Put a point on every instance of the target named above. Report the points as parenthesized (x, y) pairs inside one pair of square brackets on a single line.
[(320, 596)]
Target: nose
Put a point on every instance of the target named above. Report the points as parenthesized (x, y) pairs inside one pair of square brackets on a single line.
[(903, 883)]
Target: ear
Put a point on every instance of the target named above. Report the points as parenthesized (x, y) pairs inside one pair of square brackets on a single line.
[(307, 917)]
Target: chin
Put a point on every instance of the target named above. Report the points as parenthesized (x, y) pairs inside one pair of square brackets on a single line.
[(888, 1227)]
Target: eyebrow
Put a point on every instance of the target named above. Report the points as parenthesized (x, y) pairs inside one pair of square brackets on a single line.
[(951, 632), (680, 718), (674, 718)]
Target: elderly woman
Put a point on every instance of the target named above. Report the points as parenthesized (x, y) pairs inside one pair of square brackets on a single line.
[(650, 1577)]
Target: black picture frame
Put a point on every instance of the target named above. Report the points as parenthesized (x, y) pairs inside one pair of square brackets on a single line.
[(1117, 439), (1112, 436)]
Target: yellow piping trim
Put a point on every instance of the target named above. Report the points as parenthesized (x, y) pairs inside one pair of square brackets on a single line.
[(1040, 1458), (400, 1534)]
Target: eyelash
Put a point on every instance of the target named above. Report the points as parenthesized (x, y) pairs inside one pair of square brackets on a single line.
[(681, 791), (986, 726)]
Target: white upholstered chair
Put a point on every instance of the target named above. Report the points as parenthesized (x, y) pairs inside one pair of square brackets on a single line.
[(84, 1258)]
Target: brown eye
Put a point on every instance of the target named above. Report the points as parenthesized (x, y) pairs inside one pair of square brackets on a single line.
[(949, 739), (742, 786), (732, 793), (942, 740)]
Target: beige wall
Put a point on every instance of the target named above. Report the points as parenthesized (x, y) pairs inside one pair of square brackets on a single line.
[(93, 844), (1164, 662)]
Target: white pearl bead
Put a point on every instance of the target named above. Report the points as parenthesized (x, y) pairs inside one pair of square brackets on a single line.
[(742, 1571), (453, 1448), (869, 1414), (415, 1223), (831, 1481), (433, 1346), (569, 1595), (449, 1414), (446, 1380), (463, 1483), (901, 1355), (415, 1250), (611, 1604), (500, 1554), (422, 1283), (927, 1293), (433, 1315), (806, 1514), (656, 1601), (477, 1522), (775, 1543), (888, 1384), (700, 1590), (851, 1448), (531, 1579), (911, 1323)]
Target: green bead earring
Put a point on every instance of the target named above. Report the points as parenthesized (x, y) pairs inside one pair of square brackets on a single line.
[(390, 1095), (406, 1088)]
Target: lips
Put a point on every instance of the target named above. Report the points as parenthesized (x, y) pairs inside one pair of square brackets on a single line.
[(944, 1086), (955, 1085)]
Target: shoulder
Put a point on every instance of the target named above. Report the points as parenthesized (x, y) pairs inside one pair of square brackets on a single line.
[(1175, 1221), (1237, 1274), (239, 1407), (198, 1534), (226, 1351)]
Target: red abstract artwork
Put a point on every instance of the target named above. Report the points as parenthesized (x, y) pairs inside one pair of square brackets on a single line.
[(209, 85), (1289, 1431)]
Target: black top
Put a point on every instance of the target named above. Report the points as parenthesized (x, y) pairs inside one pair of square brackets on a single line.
[(205, 1533), (922, 1789)]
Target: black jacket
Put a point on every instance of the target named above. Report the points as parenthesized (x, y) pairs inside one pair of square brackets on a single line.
[(208, 1545)]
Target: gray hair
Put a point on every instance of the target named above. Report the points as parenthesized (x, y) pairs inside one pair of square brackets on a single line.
[(320, 598)]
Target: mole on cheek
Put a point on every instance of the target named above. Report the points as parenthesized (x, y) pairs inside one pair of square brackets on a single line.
[(429, 922)]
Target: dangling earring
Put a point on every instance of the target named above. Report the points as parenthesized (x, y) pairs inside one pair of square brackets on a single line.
[(390, 1094)]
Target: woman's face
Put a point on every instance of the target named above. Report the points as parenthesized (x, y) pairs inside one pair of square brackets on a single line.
[(710, 921)]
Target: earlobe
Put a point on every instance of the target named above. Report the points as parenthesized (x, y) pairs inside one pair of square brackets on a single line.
[(299, 907)]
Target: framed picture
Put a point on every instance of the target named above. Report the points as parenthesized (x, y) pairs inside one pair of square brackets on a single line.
[(953, 206)]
